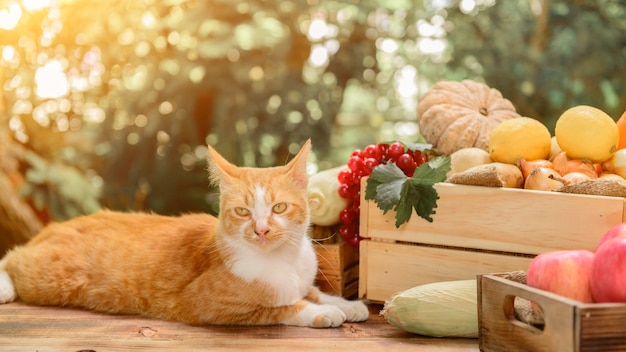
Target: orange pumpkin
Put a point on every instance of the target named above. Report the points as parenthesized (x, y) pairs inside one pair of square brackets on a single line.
[(456, 115)]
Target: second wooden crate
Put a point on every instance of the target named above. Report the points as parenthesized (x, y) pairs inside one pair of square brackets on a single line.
[(569, 325)]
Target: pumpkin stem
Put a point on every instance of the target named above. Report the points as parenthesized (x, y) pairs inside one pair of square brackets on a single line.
[(483, 111)]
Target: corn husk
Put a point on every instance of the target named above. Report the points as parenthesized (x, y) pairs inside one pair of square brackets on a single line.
[(441, 309)]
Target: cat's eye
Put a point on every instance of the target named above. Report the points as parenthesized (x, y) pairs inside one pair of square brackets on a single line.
[(279, 208), (242, 211)]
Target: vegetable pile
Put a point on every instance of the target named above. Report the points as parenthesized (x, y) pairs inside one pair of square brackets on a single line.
[(476, 138)]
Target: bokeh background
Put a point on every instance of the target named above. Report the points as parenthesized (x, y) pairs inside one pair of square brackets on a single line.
[(112, 103)]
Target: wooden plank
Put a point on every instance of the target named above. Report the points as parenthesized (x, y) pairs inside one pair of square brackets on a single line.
[(602, 327), (363, 268), (350, 255), (28, 328), (509, 220), (351, 289), (351, 273), (364, 211), (392, 267)]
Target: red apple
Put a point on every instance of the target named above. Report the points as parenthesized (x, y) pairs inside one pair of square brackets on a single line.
[(608, 272), (565, 273), (618, 230)]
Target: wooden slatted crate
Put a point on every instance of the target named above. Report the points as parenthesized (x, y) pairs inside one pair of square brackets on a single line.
[(476, 230), (338, 268), (569, 325)]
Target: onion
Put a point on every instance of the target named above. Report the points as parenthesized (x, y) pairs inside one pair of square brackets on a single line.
[(528, 166), (583, 166), (617, 163), (554, 148), (610, 176), (575, 177), (543, 179), (598, 167), (564, 165)]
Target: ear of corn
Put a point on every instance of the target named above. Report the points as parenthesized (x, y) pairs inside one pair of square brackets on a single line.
[(441, 309)]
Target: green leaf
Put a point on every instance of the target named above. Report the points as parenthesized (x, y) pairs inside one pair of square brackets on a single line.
[(418, 196), (428, 201), (404, 209), (391, 189), (389, 194), (387, 173), (433, 171), (384, 186), (419, 146), (441, 165), (370, 188)]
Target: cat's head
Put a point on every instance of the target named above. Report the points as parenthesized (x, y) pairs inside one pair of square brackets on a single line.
[(264, 208)]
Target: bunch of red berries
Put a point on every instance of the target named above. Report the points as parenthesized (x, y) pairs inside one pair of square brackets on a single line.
[(360, 164)]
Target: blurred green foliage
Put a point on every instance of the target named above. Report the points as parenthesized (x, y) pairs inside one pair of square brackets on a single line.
[(129, 93), (60, 188)]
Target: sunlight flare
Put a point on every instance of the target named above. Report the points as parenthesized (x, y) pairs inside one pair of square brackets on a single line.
[(10, 16), (51, 80)]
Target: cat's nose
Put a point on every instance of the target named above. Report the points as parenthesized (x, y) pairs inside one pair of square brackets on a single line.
[(261, 231)]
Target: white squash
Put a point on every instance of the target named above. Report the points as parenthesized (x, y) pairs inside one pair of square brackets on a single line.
[(440, 309), (325, 203)]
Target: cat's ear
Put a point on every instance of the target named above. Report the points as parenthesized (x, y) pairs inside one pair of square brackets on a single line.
[(297, 166), (221, 172)]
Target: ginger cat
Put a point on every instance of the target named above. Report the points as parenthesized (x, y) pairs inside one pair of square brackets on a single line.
[(253, 265)]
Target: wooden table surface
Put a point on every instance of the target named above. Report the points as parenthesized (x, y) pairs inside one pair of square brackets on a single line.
[(29, 328)]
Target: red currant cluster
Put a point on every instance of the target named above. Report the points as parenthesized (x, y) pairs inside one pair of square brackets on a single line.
[(360, 164)]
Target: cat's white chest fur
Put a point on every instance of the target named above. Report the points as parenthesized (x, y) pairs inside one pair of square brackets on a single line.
[(290, 272)]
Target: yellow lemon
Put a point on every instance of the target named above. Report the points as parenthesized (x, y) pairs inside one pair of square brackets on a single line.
[(585, 132), (519, 138)]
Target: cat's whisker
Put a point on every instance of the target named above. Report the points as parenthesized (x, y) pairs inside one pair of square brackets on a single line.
[(326, 279), (322, 242)]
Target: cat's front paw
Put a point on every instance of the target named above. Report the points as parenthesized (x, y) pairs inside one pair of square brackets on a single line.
[(7, 291), (319, 316), (355, 310), (327, 316)]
